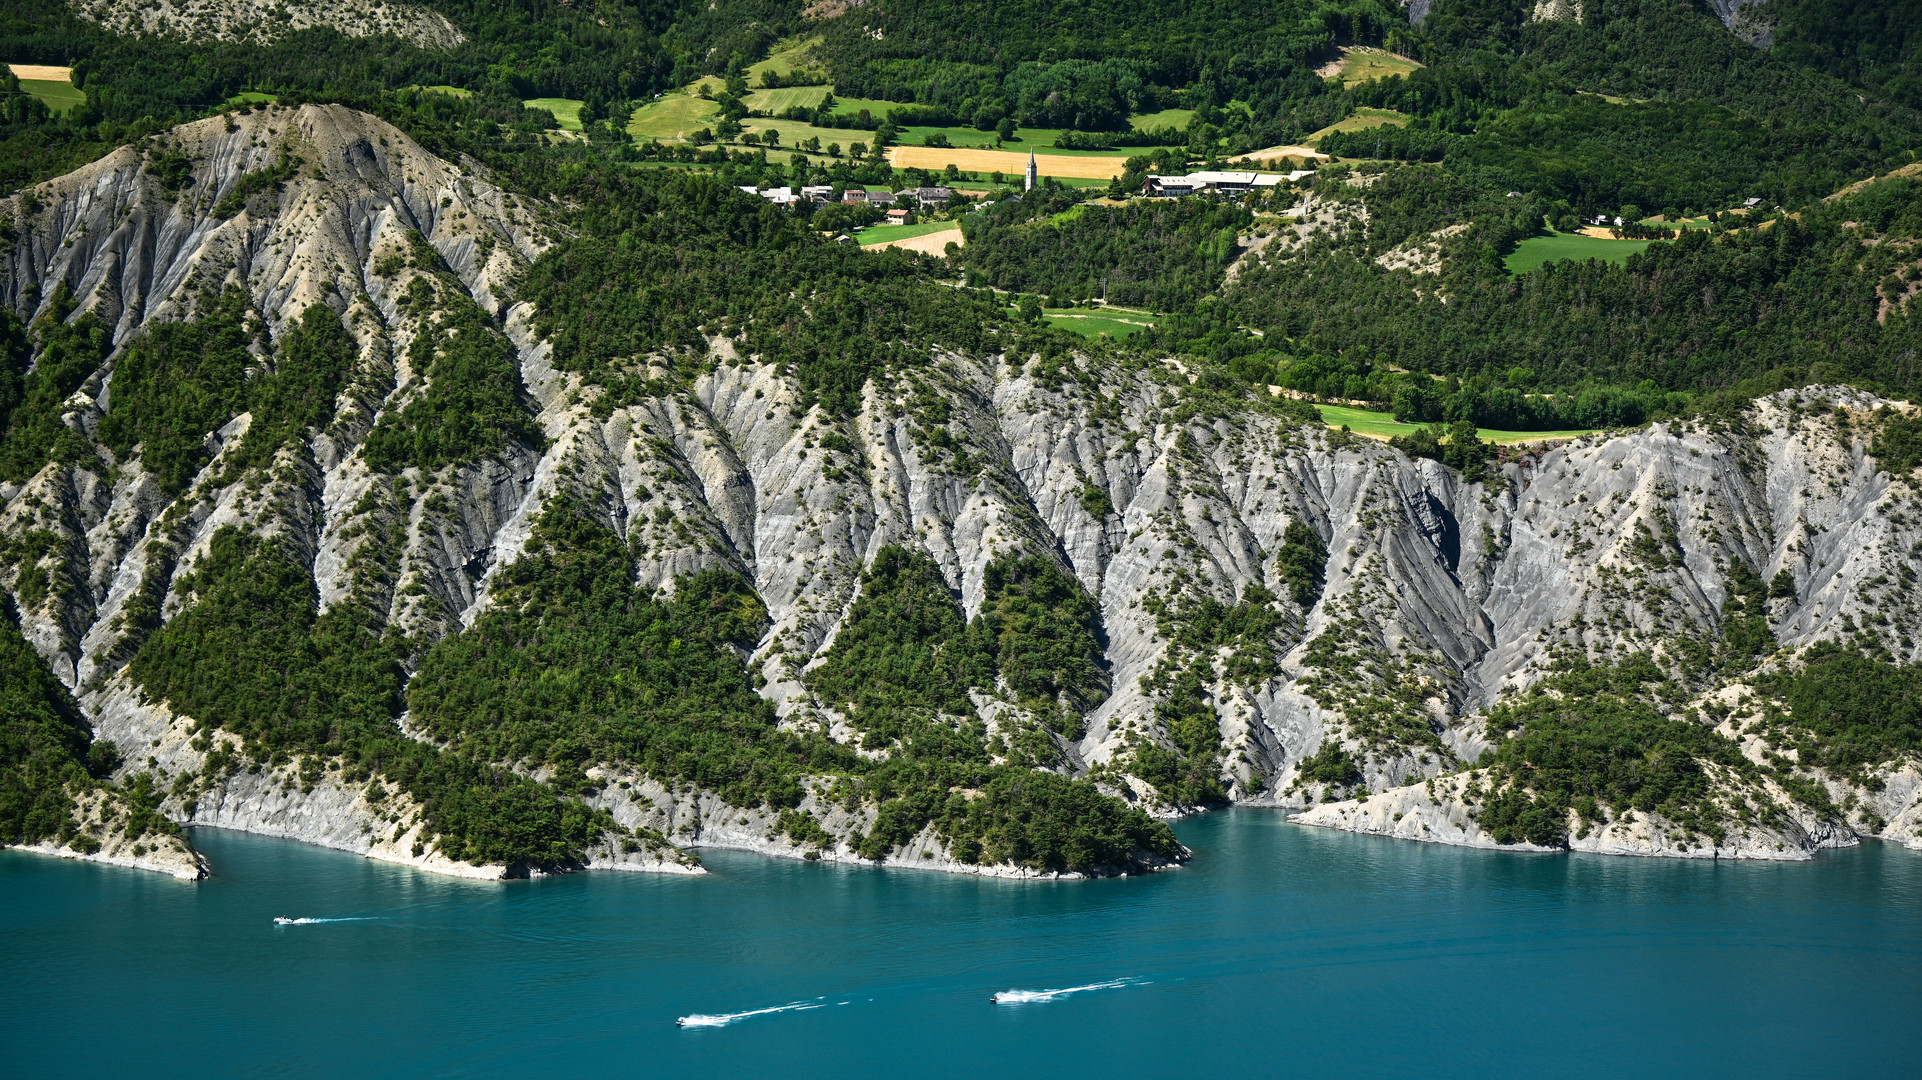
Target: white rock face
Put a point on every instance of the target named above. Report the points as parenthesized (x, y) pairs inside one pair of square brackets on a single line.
[(1437, 596), (262, 23)]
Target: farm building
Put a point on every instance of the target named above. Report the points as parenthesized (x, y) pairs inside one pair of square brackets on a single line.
[(1211, 182)]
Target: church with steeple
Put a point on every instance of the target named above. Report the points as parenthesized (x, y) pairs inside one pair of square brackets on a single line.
[(1029, 185)]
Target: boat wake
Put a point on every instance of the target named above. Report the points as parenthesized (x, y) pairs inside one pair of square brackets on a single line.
[(703, 1020), (285, 921), (1037, 997)]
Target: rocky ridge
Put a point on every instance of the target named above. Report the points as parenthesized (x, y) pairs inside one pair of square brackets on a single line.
[(1438, 596)]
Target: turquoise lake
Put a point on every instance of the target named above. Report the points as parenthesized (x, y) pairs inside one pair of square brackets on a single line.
[(1281, 951)]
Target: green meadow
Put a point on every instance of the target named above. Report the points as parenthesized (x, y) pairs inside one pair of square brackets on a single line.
[(59, 96), (1098, 322), (1538, 250), (566, 110), (1383, 425)]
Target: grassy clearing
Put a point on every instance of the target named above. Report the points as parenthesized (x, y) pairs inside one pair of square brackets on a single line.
[(566, 110), (1538, 250), (1701, 222), (1361, 120), (794, 131), (1382, 425), (442, 88), (1174, 118), (784, 57), (58, 96), (776, 101), (1366, 65), (672, 118), (881, 234), (1098, 323)]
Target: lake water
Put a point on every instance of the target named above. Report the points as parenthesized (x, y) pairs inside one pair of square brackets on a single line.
[(1282, 951)]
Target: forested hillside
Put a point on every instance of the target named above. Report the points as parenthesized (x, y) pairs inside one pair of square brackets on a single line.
[(399, 452)]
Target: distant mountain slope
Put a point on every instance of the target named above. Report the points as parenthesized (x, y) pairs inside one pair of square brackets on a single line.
[(261, 22), (357, 500)]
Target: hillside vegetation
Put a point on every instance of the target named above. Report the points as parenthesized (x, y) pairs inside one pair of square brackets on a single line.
[(584, 504)]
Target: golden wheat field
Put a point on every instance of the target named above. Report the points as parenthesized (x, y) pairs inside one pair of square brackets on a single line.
[(1005, 162)]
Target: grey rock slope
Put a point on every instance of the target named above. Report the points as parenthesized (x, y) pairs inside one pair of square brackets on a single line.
[(260, 22), (1438, 596)]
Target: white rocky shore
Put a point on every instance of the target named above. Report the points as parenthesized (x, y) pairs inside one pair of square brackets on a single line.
[(164, 854), (1441, 811)]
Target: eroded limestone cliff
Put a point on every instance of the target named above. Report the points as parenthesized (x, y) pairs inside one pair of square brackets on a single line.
[(1431, 597)]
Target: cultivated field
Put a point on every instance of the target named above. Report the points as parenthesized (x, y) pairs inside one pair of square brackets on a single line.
[(928, 237), (1010, 164), (42, 72), (50, 83)]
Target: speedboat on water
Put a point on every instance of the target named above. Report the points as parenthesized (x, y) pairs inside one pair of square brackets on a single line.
[(283, 920)]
